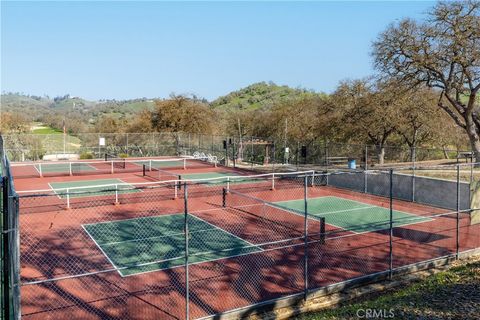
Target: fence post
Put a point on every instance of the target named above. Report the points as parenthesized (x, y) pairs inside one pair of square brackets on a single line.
[(305, 235), (471, 167), (186, 232), (252, 157), (365, 172), (414, 159), (457, 236), (127, 144), (326, 161), (6, 260), (391, 227)]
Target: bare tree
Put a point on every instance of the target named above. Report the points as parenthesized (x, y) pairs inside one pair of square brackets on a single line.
[(443, 53)]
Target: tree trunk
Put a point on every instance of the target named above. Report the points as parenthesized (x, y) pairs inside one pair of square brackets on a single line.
[(445, 153), (474, 139), (177, 144), (380, 149)]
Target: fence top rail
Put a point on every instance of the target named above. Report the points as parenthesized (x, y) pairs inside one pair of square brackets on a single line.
[(114, 186), (96, 161), (434, 167)]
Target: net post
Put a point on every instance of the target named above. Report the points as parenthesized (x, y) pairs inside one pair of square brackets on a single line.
[(322, 230), (70, 168), (457, 226), (305, 236), (273, 181), (68, 198), (390, 267), (144, 170), (224, 197), (116, 194), (176, 184), (186, 234)]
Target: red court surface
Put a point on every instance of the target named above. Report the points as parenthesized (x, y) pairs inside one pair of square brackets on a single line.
[(64, 274)]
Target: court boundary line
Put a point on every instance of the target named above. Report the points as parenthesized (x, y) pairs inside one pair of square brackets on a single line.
[(54, 191), (250, 245), (103, 252)]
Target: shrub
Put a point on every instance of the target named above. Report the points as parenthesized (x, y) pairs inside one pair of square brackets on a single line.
[(86, 155)]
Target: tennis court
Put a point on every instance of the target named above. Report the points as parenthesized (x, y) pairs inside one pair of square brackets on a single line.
[(147, 244), (350, 215), (88, 188)]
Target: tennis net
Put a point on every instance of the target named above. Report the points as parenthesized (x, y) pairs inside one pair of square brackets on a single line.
[(160, 174), (116, 161), (108, 165), (272, 217)]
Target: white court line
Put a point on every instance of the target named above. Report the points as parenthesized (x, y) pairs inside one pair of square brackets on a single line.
[(99, 247), (54, 191)]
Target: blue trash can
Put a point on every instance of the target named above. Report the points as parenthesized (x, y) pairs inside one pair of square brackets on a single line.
[(352, 164)]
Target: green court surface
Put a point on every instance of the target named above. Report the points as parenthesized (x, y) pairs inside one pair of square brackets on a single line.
[(153, 243), (352, 215), (93, 187), (209, 175), (64, 167)]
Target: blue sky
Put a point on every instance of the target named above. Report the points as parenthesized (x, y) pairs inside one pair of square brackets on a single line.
[(121, 50)]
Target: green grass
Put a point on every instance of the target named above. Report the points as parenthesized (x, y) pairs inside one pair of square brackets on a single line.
[(450, 294), (47, 130), (52, 140), (352, 215), (159, 242)]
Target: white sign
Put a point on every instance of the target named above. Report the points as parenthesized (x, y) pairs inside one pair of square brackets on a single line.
[(287, 150), (101, 141)]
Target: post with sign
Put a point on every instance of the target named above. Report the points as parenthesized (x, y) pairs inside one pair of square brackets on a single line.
[(101, 143)]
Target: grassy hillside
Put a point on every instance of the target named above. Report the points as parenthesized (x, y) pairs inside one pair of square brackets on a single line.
[(28, 105), (259, 95), (42, 108), (123, 109)]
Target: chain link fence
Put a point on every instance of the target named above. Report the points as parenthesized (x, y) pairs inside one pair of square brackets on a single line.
[(10, 267), (189, 249), (254, 152)]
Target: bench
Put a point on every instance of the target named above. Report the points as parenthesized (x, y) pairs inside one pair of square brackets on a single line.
[(337, 160)]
